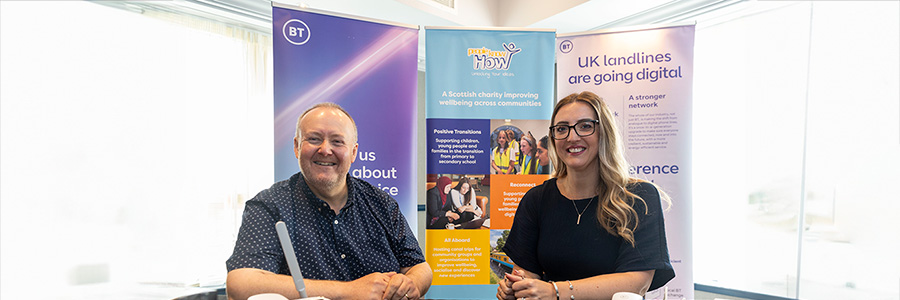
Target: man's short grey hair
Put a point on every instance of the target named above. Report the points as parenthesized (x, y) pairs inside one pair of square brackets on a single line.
[(325, 105)]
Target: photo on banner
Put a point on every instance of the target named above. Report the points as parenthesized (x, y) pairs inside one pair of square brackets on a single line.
[(645, 76), (370, 69), (489, 99)]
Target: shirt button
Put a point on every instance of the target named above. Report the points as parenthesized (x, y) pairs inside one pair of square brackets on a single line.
[(335, 221), (343, 256)]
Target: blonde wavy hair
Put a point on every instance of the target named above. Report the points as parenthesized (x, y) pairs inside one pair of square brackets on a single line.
[(614, 212)]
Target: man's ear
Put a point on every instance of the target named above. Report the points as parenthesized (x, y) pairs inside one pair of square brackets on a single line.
[(355, 149), (296, 148)]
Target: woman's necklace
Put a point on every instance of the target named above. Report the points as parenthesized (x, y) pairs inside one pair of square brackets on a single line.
[(582, 211), (564, 187)]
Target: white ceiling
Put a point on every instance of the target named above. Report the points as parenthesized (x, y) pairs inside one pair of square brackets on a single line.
[(565, 16)]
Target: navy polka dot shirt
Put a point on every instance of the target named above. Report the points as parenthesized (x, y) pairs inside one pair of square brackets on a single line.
[(368, 235)]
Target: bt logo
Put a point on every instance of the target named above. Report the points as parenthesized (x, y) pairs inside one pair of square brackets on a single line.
[(295, 32), (566, 46)]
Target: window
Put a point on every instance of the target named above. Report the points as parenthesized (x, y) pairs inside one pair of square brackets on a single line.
[(128, 145), (797, 119)]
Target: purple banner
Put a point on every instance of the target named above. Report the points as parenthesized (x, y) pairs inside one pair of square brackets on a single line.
[(368, 68)]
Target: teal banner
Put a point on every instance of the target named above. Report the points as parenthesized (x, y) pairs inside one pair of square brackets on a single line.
[(489, 101)]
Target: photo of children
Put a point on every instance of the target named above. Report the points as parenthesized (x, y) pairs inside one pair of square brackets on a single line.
[(504, 150), (457, 201), (519, 147)]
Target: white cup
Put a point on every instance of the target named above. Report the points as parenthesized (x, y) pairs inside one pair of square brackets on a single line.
[(625, 296), (274, 296), (267, 296)]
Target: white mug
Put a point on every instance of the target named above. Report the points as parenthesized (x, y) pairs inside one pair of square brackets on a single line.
[(274, 296), (267, 296), (625, 296)]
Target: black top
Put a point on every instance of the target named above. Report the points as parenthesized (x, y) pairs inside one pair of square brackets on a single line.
[(546, 240), (436, 211), (369, 235)]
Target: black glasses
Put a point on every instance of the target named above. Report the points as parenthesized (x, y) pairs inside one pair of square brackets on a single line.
[(582, 128)]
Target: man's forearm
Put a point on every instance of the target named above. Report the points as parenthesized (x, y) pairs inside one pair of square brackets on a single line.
[(421, 275), (243, 283)]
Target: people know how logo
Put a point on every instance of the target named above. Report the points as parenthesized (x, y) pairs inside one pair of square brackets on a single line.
[(487, 59), (295, 32)]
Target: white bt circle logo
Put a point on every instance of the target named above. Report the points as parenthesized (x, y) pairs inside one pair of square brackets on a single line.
[(295, 32)]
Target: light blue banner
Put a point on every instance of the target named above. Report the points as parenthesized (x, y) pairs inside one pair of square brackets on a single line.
[(479, 82), (489, 74)]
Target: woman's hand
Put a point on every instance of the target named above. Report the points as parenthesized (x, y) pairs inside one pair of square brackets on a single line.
[(452, 216), (530, 288), (533, 289), (504, 290)]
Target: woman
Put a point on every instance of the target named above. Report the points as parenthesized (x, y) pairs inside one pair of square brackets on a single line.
[(466, 203), (502, 161), (614, 237), (513, 148), (440, 205), (528, 155), (543, 156)]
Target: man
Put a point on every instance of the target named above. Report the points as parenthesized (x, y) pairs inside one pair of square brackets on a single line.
[(543, 159), (350, 238)]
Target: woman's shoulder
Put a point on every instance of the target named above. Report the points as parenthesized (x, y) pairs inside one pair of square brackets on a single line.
[(648, 192), (537, 191), (643, 188)]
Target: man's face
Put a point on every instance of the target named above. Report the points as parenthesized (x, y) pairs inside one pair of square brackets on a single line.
[(326, 148)]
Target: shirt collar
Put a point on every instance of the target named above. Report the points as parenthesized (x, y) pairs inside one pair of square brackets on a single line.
[(304, 192)]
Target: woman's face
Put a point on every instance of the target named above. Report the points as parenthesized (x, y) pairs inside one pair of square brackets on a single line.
[(542, 156), (576, 152), (502, 139), (447, 188), (526, 146), (464, 188)]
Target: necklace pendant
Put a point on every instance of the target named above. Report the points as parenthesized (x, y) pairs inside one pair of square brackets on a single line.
[(579, 220)]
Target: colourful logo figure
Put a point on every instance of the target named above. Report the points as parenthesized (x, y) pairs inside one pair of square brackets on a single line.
[(487, 59)]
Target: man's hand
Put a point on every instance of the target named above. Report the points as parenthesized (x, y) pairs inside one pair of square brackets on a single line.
[(371, 286), (401, 287)]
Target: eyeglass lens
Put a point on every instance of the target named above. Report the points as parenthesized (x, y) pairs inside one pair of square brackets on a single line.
[(582, 128)]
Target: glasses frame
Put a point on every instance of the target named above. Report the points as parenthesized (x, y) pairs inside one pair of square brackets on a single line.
[(570, 128)]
